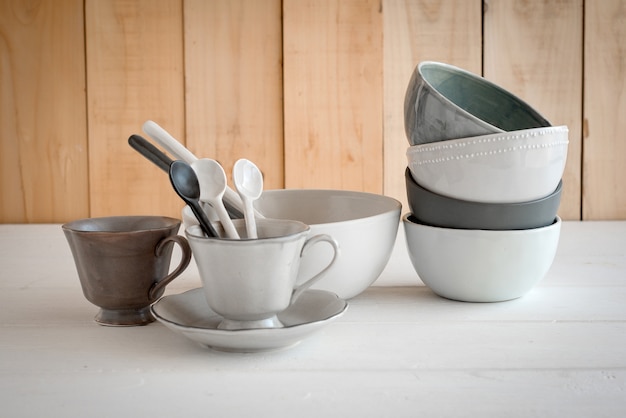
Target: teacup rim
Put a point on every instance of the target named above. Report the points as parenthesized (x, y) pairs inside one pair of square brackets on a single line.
[(306, 228), (72, 226)]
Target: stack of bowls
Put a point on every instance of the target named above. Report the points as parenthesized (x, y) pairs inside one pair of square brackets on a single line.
[(483, 182)]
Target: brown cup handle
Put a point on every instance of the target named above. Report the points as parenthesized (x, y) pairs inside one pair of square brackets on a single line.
[(184, 262)]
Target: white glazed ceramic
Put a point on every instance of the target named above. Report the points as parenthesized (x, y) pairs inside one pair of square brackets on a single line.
[(478, 265), (445, 102), (364, 225), (250, 281), (508, 167), (212, 181), (189, 314)]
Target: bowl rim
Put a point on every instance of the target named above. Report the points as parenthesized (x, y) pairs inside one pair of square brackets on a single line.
[(478, 78), (491, 232), (85, 225), (495, 139), (394, 204), (553, 194)]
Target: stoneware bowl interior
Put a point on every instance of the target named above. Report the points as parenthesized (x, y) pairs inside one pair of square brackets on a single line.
[(445, 102)]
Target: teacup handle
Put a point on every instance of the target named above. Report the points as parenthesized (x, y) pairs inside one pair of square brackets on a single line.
[(309, 243), (184, 262)]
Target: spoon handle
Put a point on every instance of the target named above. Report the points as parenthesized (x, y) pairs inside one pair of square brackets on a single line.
[(152, 153), (250, 221), (225, 220), (168, 142), (205, 224)]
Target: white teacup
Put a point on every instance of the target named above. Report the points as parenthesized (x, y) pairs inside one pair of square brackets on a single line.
[(250, 281)]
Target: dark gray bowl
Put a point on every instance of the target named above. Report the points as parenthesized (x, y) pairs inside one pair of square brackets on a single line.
[(445, 102), (442, 211)]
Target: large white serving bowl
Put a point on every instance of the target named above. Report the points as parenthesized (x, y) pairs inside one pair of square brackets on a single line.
[(364, 225), (479, 265), (507, 167)]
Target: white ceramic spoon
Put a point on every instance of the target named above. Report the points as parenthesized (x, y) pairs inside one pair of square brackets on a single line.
[(212, 179), (168, 142), (178, 150), (249, 184)]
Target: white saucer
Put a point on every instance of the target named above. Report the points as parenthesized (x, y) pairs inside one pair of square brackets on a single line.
[(189, 314)]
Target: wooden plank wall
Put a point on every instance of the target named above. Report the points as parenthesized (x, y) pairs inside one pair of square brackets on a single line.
[(604, 134), (448, 31), (311, 90), (43, 116), (542, 61)]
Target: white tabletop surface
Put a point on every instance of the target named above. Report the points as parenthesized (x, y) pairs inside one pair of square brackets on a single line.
[(399, 351)]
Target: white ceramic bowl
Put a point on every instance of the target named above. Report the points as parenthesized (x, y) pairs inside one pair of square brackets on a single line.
[(364, 224), (508, 167), (473, 265)]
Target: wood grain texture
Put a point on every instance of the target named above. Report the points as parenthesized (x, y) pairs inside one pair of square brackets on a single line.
[(604, 171), (533, 48), (333, 94), (233, 83), (448, 31), (43, 141), (78, 77), (134, 73)]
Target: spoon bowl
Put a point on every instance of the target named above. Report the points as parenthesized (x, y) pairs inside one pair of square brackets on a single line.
[(185, 183), (212, 181), (249, 184)]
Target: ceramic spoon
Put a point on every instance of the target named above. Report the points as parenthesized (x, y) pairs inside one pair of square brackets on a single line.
[(249, 184), (162, 161), (212, 179), (152, 153), (171, 145), (168, 142), (185, 182)]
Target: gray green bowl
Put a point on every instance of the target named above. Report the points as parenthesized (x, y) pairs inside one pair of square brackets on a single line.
[(445, 102)]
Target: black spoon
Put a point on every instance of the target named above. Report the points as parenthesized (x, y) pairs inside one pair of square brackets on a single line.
[(185, 182), (152, 153), (161, 160)]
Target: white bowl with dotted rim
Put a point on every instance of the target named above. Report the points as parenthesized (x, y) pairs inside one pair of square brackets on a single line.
[(508, 167)]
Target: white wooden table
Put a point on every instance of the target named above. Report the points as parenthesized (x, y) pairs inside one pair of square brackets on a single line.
[(399, 351)]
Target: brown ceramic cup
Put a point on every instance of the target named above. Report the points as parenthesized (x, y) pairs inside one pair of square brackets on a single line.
[(123, 263)]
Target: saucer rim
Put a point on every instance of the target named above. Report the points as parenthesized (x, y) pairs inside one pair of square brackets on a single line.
[(195, 328)]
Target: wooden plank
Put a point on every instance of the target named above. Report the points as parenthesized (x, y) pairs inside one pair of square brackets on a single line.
[(134, 73), (436, 30), (333, 94), (534, 49), (43, 146), (604, 171), (233, 76)]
